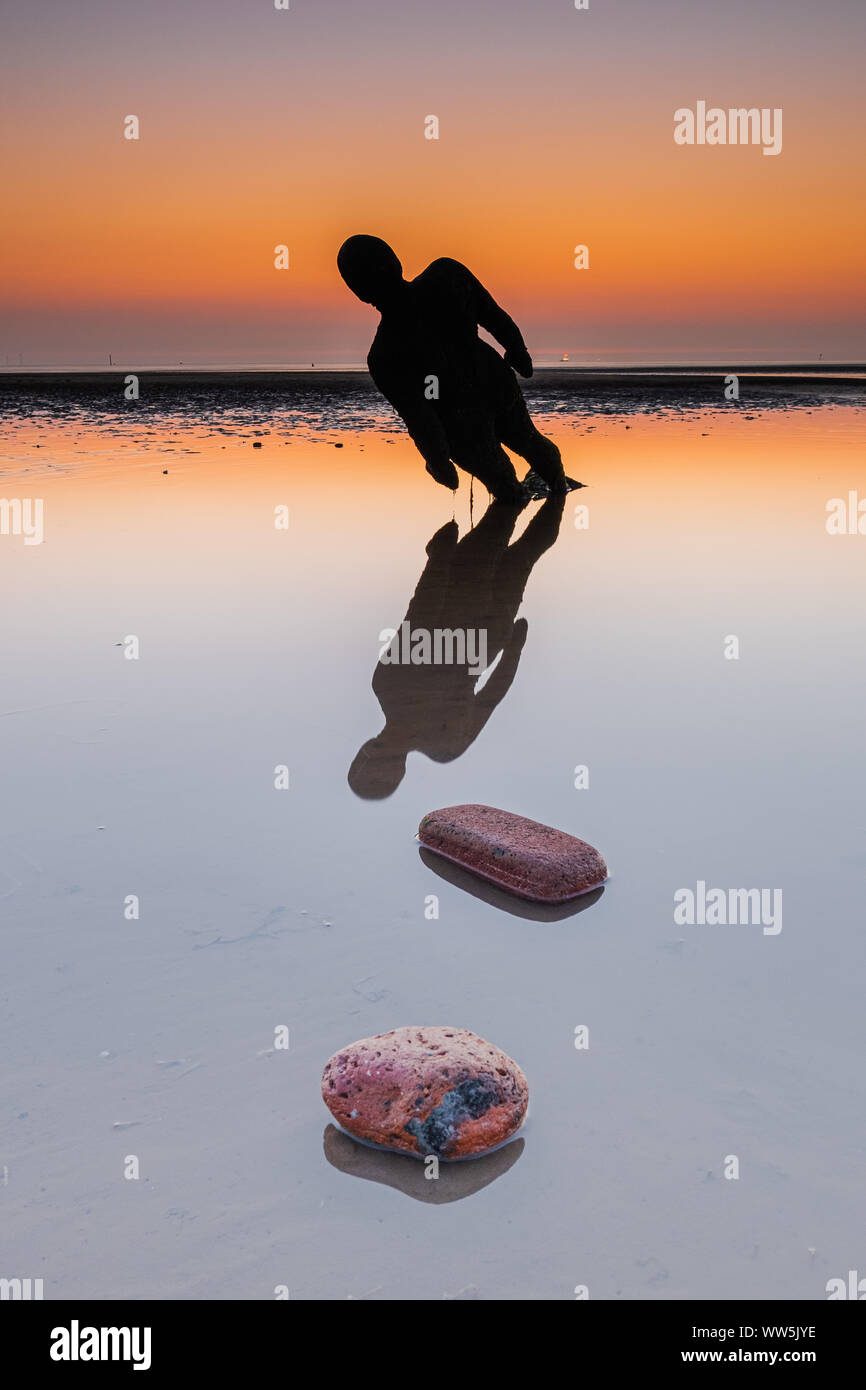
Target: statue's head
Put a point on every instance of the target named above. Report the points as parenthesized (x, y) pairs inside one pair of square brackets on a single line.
[(370, 269)]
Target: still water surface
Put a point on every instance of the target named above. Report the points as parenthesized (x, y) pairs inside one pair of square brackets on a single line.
[(308, 907)]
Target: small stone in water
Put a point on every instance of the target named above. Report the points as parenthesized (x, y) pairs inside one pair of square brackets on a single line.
[(426, 1091)]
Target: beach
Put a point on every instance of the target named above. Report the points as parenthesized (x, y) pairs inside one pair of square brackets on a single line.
[(167, 906)]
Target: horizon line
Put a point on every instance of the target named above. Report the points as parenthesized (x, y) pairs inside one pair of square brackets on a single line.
[(328, 368)]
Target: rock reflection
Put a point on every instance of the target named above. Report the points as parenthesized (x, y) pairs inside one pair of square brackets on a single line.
[(455, 1180)]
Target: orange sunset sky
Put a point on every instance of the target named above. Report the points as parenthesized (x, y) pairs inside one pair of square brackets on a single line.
[(261, 126)]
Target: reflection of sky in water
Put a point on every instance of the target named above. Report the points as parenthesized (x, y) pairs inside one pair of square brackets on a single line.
[(307, 907)]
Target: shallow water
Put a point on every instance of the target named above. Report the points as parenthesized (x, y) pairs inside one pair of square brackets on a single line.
[(306, 907)]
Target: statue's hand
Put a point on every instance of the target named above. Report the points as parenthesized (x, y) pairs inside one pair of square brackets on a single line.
[(520, 361), (441, 468)]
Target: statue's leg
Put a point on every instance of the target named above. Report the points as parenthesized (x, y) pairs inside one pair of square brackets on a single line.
[(516, 430), (475, 447)]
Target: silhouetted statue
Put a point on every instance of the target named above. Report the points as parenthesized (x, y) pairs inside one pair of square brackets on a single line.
[(459, 399), (471, 585)]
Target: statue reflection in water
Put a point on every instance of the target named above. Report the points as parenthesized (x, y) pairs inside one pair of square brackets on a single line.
[(472, 589)]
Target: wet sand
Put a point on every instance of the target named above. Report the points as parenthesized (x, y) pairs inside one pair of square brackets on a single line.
[(569, 387), (153, 1038)]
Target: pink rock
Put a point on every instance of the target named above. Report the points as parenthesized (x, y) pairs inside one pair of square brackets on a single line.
[(422, 1091), (531, 860)]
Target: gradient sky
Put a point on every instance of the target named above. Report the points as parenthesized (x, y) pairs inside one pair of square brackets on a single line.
[(556, 127)]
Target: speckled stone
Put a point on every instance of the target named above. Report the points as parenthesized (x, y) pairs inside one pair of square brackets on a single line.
[(531, 860), (422, 1091)]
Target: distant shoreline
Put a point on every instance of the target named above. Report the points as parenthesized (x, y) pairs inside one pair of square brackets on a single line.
[(792, 377)]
